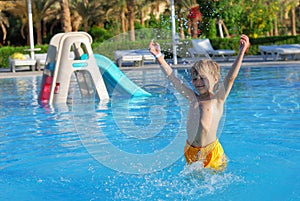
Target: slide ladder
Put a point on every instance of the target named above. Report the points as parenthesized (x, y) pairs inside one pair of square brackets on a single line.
[(64, 61)]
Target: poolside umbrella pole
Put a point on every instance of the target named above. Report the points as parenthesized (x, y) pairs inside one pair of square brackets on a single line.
[(30, 23), (174, 42)]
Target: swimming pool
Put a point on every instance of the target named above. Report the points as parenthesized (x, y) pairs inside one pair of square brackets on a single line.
[(132, 149)]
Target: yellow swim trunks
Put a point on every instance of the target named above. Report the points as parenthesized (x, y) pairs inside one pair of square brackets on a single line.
[(212, 155)]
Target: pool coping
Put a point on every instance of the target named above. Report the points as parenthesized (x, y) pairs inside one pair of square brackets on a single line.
[(249, 61)]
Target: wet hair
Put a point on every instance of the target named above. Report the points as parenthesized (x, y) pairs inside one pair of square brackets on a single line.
[(206, 67)]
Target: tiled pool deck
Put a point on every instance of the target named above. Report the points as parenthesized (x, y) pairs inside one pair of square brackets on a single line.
[(249, 61)]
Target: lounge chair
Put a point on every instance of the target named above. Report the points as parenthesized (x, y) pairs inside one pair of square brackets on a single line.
[(26, 61), (203, 47), (267, 51), (136, 56), (280, 51), (40, 60), (147, 56), (122, 56)]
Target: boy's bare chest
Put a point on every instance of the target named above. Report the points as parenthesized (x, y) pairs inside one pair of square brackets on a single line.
[(206, 110), (203, 119)]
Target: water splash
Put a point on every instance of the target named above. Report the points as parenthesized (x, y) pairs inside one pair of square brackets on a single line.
[(205, 181), (192, 182)]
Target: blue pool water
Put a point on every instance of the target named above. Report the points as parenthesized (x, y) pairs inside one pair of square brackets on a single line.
[(132, 149)]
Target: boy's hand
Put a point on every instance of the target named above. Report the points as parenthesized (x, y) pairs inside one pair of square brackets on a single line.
[(244, 43), (154, 48)]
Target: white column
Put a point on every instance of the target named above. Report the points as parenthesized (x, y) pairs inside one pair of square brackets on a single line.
[(174, 43), (30, 23)]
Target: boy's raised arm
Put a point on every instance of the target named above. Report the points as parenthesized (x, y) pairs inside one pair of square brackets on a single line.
[(235, 68), (154, 48)]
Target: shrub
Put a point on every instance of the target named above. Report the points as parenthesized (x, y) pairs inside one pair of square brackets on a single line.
[(99, 34), (108, 47), (7, 51)]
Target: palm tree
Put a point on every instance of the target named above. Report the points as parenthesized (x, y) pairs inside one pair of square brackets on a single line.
[(19, 10), (3, 24), (87, 10), (42, 9), (131, 18), (65, 15), (117, 12), (144, 7), (293, 20), (281, 13), (3, 18), (181, 12), (51, 20), (291, 7), (133, 7)]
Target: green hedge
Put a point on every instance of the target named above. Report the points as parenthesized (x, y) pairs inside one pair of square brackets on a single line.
[(233, 43), (108, 47), (6, 51)]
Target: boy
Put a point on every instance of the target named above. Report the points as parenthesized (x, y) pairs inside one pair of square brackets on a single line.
[(206, 105)]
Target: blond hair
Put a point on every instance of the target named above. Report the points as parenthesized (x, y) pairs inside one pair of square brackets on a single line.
[(206, 67)]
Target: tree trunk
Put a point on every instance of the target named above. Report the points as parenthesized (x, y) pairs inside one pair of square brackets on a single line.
[(4, 33), (131, 18), (293, 21), (276, 27), (189, 30), (86, 25), (44, 30), (181, 28), (38, 32), (142, 18), (65, 16), (123, 22), (53, 25), (195, 28), (225, 29)]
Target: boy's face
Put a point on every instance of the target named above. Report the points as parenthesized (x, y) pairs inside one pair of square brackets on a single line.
[(203, 83)]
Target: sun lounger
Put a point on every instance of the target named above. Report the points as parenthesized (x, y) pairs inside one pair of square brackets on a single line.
[(27, 61), (267, 51), (122, 56), (136, 56), (147, 56), (40, 60), (288, 51), (203, 47), (280, 51)]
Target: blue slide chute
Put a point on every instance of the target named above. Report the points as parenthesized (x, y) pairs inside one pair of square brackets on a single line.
[(114, 78)]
